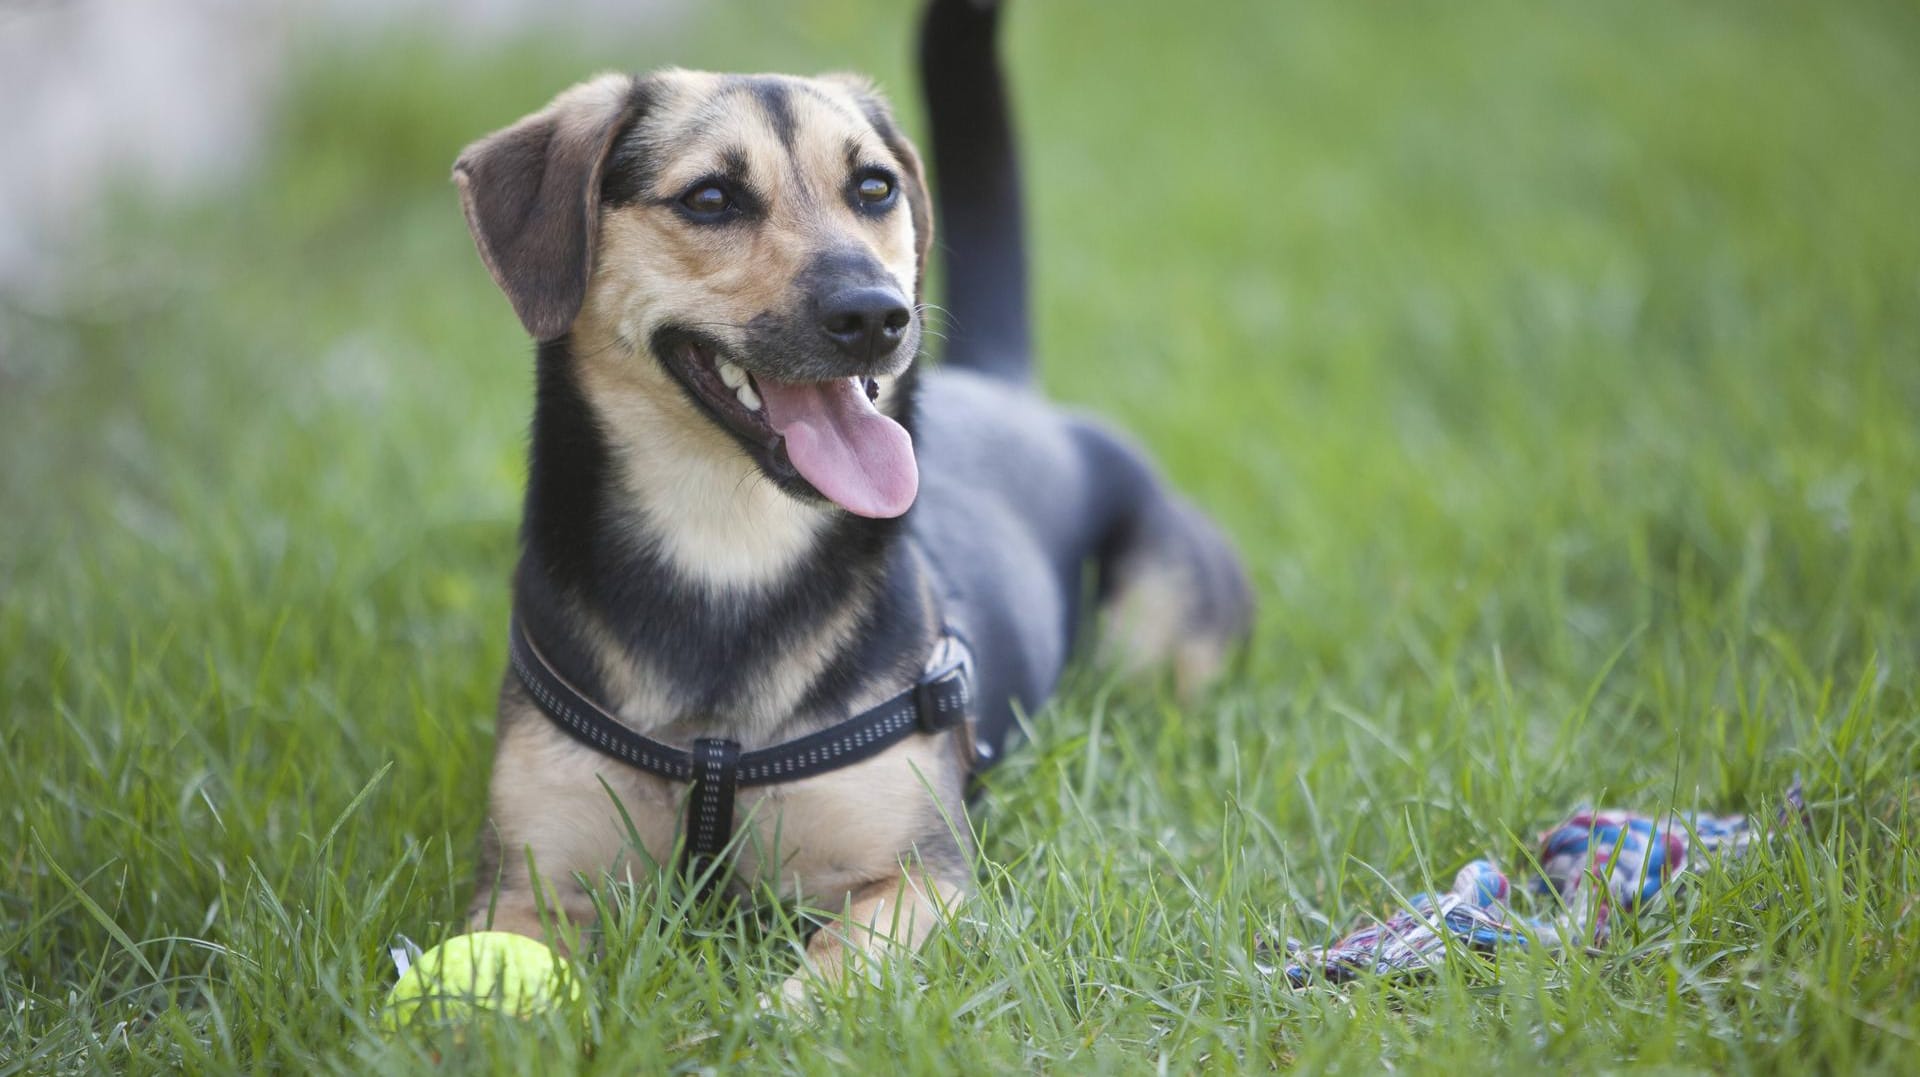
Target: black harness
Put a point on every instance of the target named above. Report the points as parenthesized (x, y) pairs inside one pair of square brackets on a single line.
[(716, 767)]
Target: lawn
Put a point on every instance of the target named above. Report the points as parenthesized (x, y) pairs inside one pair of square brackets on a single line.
[(1556, 366)]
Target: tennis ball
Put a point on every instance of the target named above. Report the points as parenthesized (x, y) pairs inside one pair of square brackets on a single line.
[(496, 971)]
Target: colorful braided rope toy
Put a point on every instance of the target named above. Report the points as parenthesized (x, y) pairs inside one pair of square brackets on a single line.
[(1595, 866)]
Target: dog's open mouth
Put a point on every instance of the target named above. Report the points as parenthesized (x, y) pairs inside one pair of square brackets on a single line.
[(828, 433)]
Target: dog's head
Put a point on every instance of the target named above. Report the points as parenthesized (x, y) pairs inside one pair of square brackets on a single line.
[(744, 253)]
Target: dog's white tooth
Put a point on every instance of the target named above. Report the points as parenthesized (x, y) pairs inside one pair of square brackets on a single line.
[(748, 397), (732, 374)]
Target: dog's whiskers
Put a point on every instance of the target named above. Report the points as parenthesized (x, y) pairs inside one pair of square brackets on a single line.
[(946, 320), (620, 341)]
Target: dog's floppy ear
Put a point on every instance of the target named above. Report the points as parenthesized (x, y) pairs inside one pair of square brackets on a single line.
[(531, 194), (913, 179)]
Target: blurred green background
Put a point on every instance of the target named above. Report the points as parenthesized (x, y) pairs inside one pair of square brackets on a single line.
[(1557, 367)]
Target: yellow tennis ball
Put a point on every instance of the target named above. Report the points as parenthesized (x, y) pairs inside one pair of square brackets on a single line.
[(494, 971)]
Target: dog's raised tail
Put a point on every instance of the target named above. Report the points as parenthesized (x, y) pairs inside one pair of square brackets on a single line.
[(977, 184)]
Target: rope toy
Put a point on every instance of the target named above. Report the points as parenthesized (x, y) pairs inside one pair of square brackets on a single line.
[(1596, 866)]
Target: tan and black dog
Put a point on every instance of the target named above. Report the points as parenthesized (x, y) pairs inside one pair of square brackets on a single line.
[(751, 516)]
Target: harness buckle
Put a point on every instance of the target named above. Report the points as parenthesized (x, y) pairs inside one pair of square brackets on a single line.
[(940, 701)]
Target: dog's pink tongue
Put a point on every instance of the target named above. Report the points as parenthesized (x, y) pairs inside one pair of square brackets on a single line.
[(850, 452)]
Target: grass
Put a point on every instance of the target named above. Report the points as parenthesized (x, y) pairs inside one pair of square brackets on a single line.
[(1557, 367)]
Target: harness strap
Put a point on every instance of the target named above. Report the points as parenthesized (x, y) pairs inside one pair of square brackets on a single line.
[(717, 767), (710, 807)]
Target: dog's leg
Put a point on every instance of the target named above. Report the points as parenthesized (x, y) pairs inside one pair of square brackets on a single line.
[(515, 906), (889, 916), (549, 805), (1174, 595), (1172, 590)]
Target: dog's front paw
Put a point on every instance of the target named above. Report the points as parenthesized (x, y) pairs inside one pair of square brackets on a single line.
[(795, 997), (797, 993)]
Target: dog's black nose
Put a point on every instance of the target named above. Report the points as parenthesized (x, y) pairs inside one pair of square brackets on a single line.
[(866, 324)]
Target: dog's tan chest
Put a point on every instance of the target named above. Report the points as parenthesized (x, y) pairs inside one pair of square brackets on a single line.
[(822, 838), (818, 839)]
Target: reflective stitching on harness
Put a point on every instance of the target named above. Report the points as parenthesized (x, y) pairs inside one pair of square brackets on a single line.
[(556, 707), (710, 816)]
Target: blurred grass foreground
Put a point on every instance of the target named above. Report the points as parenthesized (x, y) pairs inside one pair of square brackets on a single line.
[(1557, 366)]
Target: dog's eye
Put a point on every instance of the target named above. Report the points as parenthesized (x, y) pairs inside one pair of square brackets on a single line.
[(874, 189), (707, 200)]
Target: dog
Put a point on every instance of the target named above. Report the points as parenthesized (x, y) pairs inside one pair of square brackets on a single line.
[(752, 513)]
